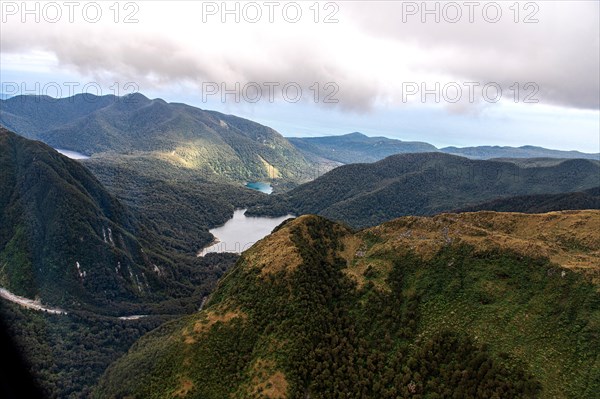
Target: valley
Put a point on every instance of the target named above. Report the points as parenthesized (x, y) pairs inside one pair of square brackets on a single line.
[(300, 200), (192, 239)]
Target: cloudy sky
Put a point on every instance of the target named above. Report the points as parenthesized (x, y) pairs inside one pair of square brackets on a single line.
[(449, 73)]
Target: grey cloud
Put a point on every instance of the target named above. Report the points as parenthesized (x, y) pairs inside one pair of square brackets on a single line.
[(560, 54)]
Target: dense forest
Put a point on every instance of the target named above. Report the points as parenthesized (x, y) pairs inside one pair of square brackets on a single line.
[(67, 354), (541, 203), (211, 143), (364, 195), (318, 311), (315, 309), (173, 205), (68, 242)]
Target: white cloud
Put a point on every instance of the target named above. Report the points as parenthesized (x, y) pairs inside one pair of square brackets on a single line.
[(369, 54)]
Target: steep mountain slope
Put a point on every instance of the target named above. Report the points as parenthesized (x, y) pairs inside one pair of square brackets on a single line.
[(527, 151), (30, 115), (541, 203), (62, 235), (356, 147), (422, 184), (480, 305), (176, 204), (207, 141), (66, 240)]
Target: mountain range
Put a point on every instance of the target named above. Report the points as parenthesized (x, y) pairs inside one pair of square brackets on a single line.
[(115, 269), (359, 148), (364, 195), (211, 143), (356, 147), (486, 305), (467, 304), (526, 151)]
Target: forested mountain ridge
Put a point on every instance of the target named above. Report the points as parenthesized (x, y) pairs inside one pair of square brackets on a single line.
[(482, 305), (423, 184), (65, 240), (61, 230), (526, 151), (541, 203), (357, 148), (212, 143)]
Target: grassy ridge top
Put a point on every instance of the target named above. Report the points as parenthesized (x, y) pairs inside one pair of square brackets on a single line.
[(449, 306)]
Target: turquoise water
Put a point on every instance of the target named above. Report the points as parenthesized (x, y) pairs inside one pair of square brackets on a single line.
[(260, 186)]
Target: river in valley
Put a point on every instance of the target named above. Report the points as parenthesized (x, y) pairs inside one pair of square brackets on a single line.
[(241, 232)]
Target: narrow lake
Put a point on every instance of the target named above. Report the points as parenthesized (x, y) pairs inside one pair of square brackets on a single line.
[(260, 186), (241, 232), (72, 154)]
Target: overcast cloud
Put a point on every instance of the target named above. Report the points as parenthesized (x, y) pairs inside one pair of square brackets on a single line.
[(369, 53)]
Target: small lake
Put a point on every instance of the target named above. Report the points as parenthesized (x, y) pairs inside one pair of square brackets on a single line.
[(241, 232), (260, 186), (72, 154)]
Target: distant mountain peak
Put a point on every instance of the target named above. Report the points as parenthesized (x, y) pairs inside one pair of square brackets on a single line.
[(355, 134), (139, 97)]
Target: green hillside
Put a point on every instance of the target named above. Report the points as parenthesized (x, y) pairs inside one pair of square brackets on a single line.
[(62, 235), (356, 147), (209, 142), (475, 305), (541, 203), (65, 240), (423, 184), (175, 206)]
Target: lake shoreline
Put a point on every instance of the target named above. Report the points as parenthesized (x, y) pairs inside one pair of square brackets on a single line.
[(240, 232)]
